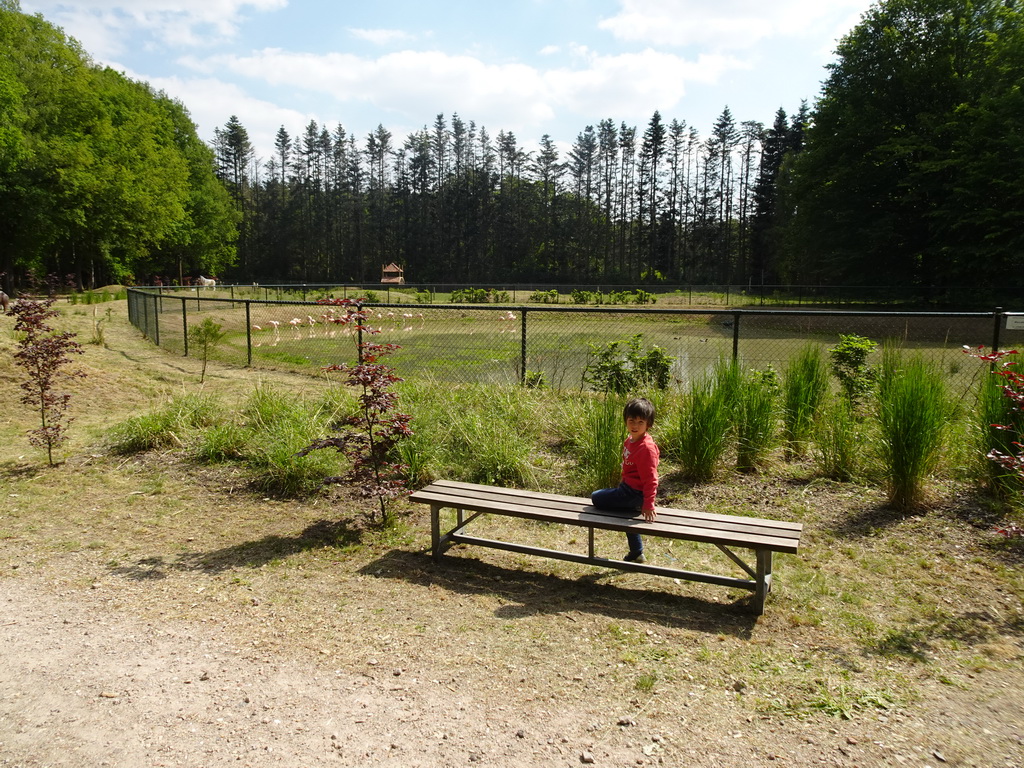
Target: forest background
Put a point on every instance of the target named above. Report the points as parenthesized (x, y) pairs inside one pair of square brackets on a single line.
[(905, 172)]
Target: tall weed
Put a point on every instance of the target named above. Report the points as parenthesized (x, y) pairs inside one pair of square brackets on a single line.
[(913, 411), (279, 427), (477, 433)]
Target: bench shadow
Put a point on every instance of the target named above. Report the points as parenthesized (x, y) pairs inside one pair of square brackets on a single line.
[(248, 554), (532, 592)]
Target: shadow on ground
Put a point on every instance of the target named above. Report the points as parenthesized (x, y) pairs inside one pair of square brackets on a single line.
[(249, 554), (527, 593)]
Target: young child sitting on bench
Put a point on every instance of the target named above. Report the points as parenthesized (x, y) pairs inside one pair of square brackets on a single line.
[(640, 455)]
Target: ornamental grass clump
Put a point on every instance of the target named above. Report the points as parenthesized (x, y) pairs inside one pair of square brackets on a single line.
[(706, 421), (914, 410), (804, 388), (597, 444), (756, 418), (838, 438)]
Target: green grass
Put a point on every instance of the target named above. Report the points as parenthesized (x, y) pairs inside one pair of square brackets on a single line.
[(838, 440), (174, 424)]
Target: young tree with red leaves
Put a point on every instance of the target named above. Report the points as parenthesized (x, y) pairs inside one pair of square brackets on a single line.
[(374, 431), (44, 354)]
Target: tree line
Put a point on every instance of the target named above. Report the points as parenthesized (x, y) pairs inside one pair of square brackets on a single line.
[(906, 172), (451, 204)]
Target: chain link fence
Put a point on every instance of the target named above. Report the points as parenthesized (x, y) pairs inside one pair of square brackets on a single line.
[(554, 345)]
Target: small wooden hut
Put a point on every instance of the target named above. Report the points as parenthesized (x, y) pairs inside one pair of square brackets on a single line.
[(392, 274)]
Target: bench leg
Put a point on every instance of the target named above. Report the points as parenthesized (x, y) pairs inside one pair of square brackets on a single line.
[(435, 530), (764, 579)]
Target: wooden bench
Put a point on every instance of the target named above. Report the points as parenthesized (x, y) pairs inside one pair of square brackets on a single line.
[(470, 501)]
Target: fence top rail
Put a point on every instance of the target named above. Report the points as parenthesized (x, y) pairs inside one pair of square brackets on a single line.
[(567, 308)]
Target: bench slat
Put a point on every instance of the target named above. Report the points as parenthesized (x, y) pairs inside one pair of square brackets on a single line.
[(547, 500), (587, 515), (478, 497)]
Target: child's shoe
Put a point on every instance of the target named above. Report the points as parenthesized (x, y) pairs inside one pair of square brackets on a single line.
[(635, 557)]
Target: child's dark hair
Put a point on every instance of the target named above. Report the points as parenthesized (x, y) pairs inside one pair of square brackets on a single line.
[(639, 408)]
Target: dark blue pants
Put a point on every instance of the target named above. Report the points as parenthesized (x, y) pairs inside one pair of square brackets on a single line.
[(622, 499)]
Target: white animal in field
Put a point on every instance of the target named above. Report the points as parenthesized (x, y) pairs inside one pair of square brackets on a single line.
[(206, 282), (5, 301), (312, 326), (295, 323), (276, 325), (509, 319)]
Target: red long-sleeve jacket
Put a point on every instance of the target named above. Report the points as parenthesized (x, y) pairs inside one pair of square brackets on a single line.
[(640, 467)]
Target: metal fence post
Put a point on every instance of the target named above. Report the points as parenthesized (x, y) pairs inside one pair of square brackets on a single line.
[(735, 335), (522, 351), (156, 320), (997, 321), (184, 324), (248, 335)]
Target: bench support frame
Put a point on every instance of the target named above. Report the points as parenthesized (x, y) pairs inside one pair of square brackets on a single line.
[(760, 581)]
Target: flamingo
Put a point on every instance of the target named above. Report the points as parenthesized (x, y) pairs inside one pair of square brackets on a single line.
[(275, 324)]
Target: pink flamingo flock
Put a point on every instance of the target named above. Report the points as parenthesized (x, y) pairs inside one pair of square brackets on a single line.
[(332, 323)]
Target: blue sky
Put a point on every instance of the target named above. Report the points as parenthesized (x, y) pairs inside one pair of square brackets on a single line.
[(532, 67)]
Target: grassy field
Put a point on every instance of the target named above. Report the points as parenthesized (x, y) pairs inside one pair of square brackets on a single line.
[(889, 636), (485, 345)]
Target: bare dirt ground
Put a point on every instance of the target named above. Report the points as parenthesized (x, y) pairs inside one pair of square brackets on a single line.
[(156, 613)]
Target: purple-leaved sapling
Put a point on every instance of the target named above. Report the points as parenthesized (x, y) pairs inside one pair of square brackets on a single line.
[(373, 431), (44, 354), (1013, 390)]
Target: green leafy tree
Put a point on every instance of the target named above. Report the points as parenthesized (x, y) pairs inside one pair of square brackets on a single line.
[(911, 170), (205, 336)]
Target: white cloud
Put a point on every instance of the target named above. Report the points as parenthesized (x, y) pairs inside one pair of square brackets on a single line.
[(107, 27), (409, 86), (724, 24), (382, 36)]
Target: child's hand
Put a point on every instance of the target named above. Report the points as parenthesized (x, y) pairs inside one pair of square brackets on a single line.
[(649, 515)]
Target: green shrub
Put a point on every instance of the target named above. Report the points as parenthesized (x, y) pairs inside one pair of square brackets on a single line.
[(850, 366), (621, 367), (545, 297)]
